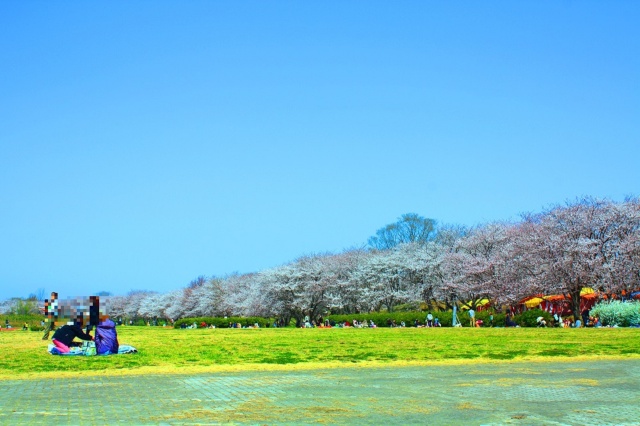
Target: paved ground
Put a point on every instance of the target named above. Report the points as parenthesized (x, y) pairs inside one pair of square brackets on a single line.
[(594, 393)]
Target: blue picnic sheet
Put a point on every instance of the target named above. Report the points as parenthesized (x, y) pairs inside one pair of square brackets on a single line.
[(89, 349)]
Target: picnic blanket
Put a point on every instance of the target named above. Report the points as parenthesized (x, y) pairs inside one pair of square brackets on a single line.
[(89, 350)]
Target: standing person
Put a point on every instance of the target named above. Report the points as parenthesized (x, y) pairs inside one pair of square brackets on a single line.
[(51, 313), (94, 310), (63, 337), (585, 317), (429, 320), (472, 317)]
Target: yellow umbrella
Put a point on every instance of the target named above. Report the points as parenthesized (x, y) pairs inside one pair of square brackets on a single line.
[(533, 302), (481, 302)]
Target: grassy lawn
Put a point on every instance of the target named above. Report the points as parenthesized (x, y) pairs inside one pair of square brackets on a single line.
[(164, 350)]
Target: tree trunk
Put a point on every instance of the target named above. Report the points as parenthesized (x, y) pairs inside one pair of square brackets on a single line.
[(575, 303)]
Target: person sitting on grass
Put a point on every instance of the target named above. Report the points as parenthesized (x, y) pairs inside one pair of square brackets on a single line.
[(63, 337), (541, 322), (106, 337)]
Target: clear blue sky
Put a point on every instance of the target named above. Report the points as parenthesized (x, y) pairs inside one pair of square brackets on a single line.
[(145, 143)]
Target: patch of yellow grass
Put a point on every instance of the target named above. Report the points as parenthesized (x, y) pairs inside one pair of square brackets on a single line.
[(308, 366), (466, 406)]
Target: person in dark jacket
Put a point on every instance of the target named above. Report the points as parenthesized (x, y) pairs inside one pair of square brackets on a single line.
[(63, 337), (106, 337)]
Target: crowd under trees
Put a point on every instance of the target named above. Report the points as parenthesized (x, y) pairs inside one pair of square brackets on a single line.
[(590, 243)]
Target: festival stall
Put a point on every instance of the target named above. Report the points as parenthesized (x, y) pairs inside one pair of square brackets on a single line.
[(557, 303)]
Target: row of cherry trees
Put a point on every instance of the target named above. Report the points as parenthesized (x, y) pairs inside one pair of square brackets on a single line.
[(589, 243)]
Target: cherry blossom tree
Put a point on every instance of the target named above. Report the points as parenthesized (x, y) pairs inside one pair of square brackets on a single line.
[(521, 273), (566, 246), (244, 295), (150, 306), (621, 250), (133, 301), (474, 269), (306, 287), (562, 250), (351, 294), (171, 305), (115, 306), (283, 294), (390, 277)]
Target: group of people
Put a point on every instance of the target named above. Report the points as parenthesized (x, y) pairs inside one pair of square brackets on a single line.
[(8, 326), (558, 321), (430, 321), (329, 323), (106, 337), (357, 324)]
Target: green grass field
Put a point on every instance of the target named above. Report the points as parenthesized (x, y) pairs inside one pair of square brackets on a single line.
[(165, 350)]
